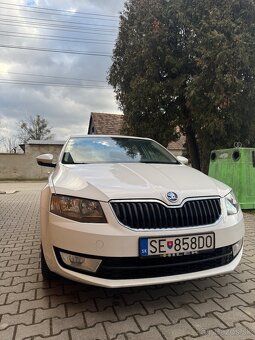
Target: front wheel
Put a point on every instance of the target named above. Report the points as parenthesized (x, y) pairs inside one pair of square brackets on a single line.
[(46, 272)]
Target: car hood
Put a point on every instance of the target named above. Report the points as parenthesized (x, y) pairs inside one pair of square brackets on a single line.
[(134, 181)]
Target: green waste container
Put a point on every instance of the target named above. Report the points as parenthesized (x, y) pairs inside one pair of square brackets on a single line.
[(236, 168)]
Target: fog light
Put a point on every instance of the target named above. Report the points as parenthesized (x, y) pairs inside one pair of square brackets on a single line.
[(237, 247), (80, 262)]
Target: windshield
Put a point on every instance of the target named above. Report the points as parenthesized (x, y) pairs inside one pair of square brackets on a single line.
[(115, 150)]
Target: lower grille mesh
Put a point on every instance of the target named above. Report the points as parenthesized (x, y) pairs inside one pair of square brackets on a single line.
[(117, 268), (136, 268)]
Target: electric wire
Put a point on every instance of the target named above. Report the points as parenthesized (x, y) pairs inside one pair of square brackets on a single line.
[(56, 28), (57, 21), (50, 76), (36, 24), (56, 25), (54, 38), (52, 84), (58, 10), (32, 48), (70, 15)]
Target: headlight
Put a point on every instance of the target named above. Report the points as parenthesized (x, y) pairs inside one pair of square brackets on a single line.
[(77, 209), (231, 204)]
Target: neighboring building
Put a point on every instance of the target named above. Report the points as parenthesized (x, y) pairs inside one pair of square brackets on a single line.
[(43, 146), (24, 166), (111, 124), (105, 123), (177, 148)]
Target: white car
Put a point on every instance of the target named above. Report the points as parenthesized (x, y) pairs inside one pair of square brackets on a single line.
[(122, 211)]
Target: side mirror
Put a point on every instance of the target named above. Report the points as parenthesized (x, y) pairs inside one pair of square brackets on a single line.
[(45, 160), (183, 160)]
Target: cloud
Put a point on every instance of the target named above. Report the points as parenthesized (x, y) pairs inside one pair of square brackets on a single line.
[(67, 109)]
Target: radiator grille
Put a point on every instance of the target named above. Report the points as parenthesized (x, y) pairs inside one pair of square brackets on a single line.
[(154, 215)]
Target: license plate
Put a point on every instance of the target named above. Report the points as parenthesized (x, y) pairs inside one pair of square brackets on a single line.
[(175, 245)]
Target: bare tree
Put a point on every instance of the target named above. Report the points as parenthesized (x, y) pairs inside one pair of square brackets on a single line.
[(36, 128), (2, 139), (10, 144)]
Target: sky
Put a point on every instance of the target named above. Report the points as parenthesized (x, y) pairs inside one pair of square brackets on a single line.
[(38, 72)]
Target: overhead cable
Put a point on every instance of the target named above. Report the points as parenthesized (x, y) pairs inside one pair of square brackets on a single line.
[(57, 28), (32, 48), (69, 14), (51, 76), (59, 10), (57, 21), (54, 38), (38, 83)]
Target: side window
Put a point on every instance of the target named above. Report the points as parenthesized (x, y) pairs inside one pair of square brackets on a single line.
[(67, 158)]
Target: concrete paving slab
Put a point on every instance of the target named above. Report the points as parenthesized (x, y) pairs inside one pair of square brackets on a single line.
[(11, 187), (220, 307)]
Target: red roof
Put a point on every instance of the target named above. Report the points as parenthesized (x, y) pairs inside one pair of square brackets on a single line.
[(106, 123)]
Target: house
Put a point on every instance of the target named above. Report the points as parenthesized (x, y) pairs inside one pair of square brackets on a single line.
[(105, 123), (101, 123), (43, 146)]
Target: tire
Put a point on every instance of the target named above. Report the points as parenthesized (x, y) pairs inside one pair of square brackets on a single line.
[(46, 272)]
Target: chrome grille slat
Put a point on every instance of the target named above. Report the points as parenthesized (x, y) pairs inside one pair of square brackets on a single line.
[(212, 209), (200, 215), (182, 220), (191, 213), (155, 215), (141, 213), (129, 214), (153, 219), (209, 211), (170, 219), (195, 210), (204, 210), (158, 213), (185, 214), (136, 217)]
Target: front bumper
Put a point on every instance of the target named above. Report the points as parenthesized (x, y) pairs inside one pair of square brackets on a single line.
[(118, 268), (118, 247), (121, 283)]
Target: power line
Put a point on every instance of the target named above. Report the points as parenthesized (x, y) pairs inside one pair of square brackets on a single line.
[(71, 14), (53, 38), (24, 24), (58, 21), (31, 48), (58, 36), (39, 83), (59, 10), (56, 25), (55, 77)]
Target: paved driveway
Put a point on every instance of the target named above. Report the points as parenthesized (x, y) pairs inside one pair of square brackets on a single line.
[(222, 307)]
